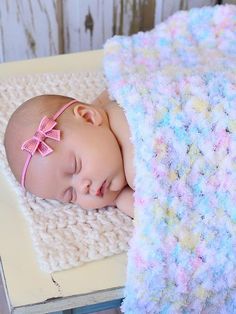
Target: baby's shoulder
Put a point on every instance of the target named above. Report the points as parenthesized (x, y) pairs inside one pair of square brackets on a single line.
[(102, 99)]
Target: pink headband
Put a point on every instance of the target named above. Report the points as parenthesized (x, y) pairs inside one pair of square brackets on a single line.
[(37, 142)]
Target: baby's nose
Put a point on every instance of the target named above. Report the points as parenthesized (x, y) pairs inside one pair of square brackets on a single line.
[(84, 186)]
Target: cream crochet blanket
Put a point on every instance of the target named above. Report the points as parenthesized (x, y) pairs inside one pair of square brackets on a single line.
[(63, 236)]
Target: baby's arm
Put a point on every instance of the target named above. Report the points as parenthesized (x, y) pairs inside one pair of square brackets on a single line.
[(125, 201)]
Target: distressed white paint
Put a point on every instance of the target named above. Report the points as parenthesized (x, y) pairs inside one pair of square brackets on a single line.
[(200, 3), (169, 7), (165, 8), (229, 1), (28, 29), (77, 36), (1, 43), (108, 18), (37, 28)]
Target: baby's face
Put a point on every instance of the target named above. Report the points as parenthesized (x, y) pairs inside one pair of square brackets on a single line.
[(85, 168)]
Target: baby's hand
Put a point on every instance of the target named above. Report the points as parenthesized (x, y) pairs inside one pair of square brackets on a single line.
[(125, 201)]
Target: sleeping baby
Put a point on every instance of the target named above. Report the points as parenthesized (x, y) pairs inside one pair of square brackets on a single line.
[(181, 112), (60, 148)]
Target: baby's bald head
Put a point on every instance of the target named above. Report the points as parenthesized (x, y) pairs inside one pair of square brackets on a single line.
[(86, 168), (23, 124)]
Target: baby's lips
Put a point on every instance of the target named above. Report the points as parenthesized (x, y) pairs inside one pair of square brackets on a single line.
[(101, 190)]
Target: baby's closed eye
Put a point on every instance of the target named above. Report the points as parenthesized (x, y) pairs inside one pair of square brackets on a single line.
[(74, 196), (68, 195), (77, 166)]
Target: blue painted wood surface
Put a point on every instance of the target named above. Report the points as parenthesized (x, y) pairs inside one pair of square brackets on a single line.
[(93, 308)]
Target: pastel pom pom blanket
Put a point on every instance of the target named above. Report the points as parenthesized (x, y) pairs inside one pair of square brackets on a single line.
[(177, 86)]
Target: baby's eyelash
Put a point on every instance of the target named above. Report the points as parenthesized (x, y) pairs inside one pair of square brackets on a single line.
[(78, 165), (67, 195), (75, 170), (74, 196), (71, 195)]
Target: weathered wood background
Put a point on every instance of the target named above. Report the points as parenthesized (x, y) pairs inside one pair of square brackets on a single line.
[(37, 28)]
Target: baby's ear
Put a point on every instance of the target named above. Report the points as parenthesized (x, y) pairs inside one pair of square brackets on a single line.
[(88, 113)]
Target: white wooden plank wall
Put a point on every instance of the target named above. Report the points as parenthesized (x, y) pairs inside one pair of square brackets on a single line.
[(87, 24), (37, 28), (28, 29), (165, 8)]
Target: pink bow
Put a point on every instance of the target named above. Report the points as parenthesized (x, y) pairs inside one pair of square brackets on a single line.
[(45, 130)]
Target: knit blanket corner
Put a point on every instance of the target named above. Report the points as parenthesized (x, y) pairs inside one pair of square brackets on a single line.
[(177, 86)]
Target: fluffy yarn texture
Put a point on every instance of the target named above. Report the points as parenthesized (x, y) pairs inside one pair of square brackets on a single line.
[(64, 236), (177, 85)]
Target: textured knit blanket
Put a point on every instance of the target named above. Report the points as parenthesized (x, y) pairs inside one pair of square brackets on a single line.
[(63, 236), (177, 86)]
